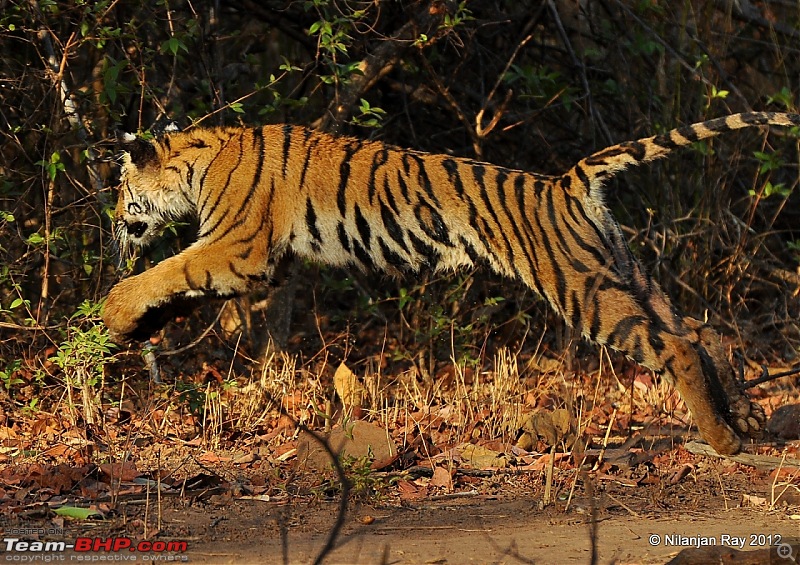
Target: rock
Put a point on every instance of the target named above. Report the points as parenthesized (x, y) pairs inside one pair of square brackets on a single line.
[(358, 439), (785, 422)]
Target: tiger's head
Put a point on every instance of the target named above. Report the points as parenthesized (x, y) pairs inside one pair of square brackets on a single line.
[(153, 191)]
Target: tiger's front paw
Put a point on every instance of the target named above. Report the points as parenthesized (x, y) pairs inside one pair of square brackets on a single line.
[(123, 312)]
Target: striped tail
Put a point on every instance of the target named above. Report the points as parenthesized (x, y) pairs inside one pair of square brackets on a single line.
[(594, 170)]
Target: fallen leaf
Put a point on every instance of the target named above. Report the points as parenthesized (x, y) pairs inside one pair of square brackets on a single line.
[(479, 457), (348, 387), (552, 426), (410, 491), (120, 471), (752, 500), (442, 478)]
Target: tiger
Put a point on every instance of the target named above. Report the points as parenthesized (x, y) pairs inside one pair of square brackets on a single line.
[(258, 193)]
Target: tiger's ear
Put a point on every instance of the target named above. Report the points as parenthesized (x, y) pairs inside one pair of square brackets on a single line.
[(135, 150), (165, 125)]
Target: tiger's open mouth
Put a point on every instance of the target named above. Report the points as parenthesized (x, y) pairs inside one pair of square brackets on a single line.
[(130, 235), (136, 229)]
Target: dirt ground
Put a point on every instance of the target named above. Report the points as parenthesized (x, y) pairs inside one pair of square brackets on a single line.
[(475, 531), (500, 520)]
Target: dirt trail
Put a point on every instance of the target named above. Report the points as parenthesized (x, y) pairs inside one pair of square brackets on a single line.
[(486, 531)]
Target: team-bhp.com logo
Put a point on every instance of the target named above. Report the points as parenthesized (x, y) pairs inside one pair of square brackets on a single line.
[(97, 545)]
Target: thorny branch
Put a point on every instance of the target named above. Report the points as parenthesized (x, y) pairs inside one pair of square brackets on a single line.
[(425, 21), (766, 377)]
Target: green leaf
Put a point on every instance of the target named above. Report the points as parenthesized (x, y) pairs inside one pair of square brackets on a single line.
[(35, 239), (173, 45), (77, 512)]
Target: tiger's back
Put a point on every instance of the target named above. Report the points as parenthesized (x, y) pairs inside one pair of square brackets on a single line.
[(260, 192)]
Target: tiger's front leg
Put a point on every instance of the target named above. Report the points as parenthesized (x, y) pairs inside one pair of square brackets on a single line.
[(196, 272)]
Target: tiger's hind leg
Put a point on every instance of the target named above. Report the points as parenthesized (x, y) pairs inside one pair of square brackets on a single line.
[(697, 379), (640, 322), (746, 417)]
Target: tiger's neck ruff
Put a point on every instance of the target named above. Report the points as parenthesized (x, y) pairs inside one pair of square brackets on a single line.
[(260, 192)]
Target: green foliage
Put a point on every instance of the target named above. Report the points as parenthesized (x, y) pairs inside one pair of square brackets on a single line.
[(8, 375), (784, 97), (333, 35), (769, 161), (53, 165), (461, 16), (368, 116), (541, 84), (84, 351)]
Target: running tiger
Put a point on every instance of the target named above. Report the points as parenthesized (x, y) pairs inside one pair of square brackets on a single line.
[(259, 193)]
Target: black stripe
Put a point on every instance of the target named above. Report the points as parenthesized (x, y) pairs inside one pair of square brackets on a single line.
[(378, 160), (187, 277), (388, 192), (350, 149), (258, 147), (393, 227), (307, 162), (429, 254), (635, 149), (636, 353), (403, 187), (583, 177), (311, 221), (531, 233), (362, 225), (405, 161), (453, 175), (622, 331), (688, 132), (363, 256), (524, 243), (479, 172), (575, 322), (201, 205), (343, 239), (582, 221), (207, 231), (656, 341), (422, 174), (186, 192), (391, 257), (246, 253), (561, 281), (287, 143), (665, 141), (436, 229), (595, 326), (470, 251), (237, 273)]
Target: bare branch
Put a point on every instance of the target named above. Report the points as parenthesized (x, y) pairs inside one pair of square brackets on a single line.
[(424, 21)]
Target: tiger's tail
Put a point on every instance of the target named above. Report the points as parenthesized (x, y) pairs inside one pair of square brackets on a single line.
[(594, 170)]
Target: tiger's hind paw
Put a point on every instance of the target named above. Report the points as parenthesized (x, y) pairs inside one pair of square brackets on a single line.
[(747, 416)]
